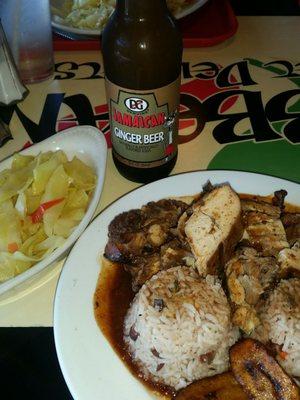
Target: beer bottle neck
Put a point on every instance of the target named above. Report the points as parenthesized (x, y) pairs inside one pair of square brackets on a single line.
[(142, 8)]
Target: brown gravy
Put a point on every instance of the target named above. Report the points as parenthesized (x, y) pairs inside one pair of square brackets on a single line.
[(112, 299)]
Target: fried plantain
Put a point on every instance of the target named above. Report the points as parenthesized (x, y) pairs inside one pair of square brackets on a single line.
[(259, 374), (218, 387)]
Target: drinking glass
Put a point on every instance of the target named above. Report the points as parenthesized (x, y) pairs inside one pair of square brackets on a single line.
[(27, 24)]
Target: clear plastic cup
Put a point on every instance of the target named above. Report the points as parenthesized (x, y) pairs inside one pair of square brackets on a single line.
[(27, 24)]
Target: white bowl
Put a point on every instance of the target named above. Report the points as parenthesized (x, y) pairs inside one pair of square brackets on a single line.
[(89, 145)]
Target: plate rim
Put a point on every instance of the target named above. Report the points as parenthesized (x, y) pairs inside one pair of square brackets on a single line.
[(200, 170), (58, 302), (60, 137)]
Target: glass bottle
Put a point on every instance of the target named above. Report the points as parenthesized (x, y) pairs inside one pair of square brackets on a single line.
[(142, 51)]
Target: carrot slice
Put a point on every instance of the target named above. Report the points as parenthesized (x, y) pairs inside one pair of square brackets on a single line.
[(12, 247), (37, 215), (283, 355)]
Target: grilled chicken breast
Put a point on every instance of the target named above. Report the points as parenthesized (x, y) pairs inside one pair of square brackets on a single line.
[(289, 261), (264, 229), (214, 228), (264, 258), (248, 276), (291, 223)]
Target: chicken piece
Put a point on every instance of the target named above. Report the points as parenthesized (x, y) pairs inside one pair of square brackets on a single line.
[(248, 276), (245, 317), (176, 253), (289, 261), (187, 199), (263, 227), (142, 268), (219, 387), (214, 228), (291, 223), (143, 231), (207, 188), (259, 374), (125, 236), (170, 254), (278, 198)]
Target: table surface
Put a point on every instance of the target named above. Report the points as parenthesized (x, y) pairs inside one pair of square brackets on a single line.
[(28, 363)]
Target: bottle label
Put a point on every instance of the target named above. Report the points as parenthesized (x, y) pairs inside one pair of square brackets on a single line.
[(144, 124)]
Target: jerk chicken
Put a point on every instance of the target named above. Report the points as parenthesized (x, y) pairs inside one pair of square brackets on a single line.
[(289, 261), (264, 229), (248, 276), (144, 241), (167, 233), (142, 231), (264, 257), (291, 223), (252, 242)]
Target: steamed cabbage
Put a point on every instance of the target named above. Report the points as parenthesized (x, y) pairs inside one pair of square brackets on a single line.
[(94, 14), (42, 200)]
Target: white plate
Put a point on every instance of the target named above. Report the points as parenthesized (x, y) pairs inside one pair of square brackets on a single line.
[(79, 33), (88, 144), (90, 366)]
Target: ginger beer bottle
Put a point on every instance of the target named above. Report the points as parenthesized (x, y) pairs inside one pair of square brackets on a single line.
[(142, 50)]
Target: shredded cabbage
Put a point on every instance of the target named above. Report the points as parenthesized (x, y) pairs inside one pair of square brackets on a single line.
[(90, 14), (94, 14), (42, 200)]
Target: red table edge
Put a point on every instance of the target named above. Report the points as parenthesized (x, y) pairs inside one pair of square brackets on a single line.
[(85, 45)]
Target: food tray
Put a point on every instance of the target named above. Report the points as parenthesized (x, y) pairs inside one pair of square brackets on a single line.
[(211, 24)]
